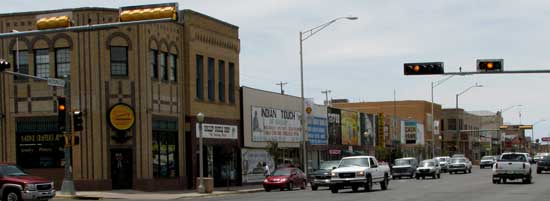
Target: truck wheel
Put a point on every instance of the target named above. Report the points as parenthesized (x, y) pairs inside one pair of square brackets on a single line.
[(417, 177), (314, 187), (334, 189), (384, 184), (368, 185), (470, 170), (12, 195), (354, 188), (439, 176)]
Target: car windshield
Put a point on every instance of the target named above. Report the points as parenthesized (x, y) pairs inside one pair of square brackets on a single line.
[(11, 170), (350, 162), (327, 165), (546, 158), (402, 162), (458, 160), (513, 157), (427, 164), (442, 159), (281, 172), (487, 158)]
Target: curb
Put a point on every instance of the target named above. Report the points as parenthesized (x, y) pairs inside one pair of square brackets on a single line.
[(183, 196)]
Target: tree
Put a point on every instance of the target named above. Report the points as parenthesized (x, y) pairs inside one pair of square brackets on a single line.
[(274, 151)]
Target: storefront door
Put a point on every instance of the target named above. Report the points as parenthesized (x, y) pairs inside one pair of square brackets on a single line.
[(121, 168)]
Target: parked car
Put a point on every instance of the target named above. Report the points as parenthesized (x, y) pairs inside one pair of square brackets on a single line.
[(321, 177), (512, 166), (543, 164), (444, 162), (285, 178), (460, 165), (428, 168), (16, 185), (359, 171), (404, 167), (487, 161)]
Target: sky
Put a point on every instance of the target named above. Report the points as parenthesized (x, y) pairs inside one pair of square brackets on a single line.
[(362, 60)]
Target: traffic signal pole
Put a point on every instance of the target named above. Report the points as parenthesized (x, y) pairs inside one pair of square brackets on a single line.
[(67, 187)]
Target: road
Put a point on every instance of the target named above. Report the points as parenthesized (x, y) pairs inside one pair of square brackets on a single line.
[(476, 186)]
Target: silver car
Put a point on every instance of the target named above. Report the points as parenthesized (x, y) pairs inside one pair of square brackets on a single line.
[(428, 168), (444, 162), (460, 165)]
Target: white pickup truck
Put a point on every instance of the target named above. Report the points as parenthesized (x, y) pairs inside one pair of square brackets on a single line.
[(512, 166), (359, 171)]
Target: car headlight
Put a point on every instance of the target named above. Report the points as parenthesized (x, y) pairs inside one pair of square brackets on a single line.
[(30, 187), (332, 174), (361, 174), (265, 180), (283, 180)]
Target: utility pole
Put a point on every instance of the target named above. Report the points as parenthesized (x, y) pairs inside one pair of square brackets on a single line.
[(67, 187), (282, 84), (326, 92)]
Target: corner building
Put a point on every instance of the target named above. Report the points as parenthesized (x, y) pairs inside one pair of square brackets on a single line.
[(164, 72)]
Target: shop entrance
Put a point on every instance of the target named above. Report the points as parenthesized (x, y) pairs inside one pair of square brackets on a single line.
[(121, 168)]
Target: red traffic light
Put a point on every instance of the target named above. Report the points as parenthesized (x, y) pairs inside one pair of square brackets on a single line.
[(490, 65), (428, 68)]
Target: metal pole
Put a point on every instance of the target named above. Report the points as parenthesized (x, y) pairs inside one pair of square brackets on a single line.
[(457, 129), (302, 116), (67, 188), (395, 118), (17, 52), (433, 126), (201, 179)]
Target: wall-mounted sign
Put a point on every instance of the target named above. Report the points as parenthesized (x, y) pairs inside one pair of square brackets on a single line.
[(276, 125), (380, 133), (122, 117), (218, 131), (350, 128), (334, 151)]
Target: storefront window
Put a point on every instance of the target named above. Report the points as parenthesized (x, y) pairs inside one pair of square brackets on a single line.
[(38, 143), (165, 149)]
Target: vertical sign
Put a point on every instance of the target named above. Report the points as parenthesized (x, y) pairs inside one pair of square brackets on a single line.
[(350, 128), (368, 129), (380, 133), (334, 126)]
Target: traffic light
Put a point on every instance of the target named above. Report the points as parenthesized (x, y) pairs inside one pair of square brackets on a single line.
[(53, 22), (4, 65), (148, 12), (428, 68), (490, 65), (77, 121), (61, 113)]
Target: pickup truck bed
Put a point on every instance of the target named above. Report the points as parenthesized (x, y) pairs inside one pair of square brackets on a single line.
[(512, 166)]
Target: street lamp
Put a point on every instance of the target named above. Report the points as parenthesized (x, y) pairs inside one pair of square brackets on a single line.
[(508, 108), (456, 118), (200, 119), (434, 85), (533, 129), (304, 35)]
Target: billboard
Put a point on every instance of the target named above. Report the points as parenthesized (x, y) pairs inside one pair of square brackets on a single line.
[(350, 128), (368, 129), (270, 124), (334, 126), (412, 132), (252, 164), (317, 131)]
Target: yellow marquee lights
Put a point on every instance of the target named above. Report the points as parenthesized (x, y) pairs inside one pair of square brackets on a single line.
[(53, 22), (148, 14)]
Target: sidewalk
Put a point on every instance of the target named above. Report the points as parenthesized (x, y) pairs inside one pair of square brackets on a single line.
[(161, 195)]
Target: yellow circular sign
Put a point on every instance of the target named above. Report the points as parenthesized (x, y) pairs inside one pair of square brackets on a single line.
[(309, 110), (122, 117)]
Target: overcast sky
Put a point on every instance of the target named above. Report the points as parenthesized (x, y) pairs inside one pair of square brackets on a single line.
[(363, 60)]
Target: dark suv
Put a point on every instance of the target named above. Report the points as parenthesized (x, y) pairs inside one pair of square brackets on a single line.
[(17, 185)]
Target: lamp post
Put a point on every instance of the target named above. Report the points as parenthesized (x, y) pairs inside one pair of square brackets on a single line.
[(304, 35), (456, 118), (200, 119), (434, 85)]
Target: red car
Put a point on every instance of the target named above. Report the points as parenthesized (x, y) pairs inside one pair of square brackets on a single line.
[(18, 185), (285, 178)]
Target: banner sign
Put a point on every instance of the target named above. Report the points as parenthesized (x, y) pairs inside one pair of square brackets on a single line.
[(218, 131), (546, 139), (380, 133), (317, 131), (368, 129), (275, 125), (334, 126), (350, 128)]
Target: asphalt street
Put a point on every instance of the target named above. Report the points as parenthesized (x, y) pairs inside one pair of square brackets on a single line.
[(476, 186)]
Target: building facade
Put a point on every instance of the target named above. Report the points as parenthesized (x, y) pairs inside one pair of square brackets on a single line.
[(403, 118), (146, 71)]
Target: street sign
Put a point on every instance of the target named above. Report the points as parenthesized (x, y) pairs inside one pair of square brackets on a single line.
[(546, 139), (56, 82)]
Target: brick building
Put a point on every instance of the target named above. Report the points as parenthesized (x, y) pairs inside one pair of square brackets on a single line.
[(164, 72)]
